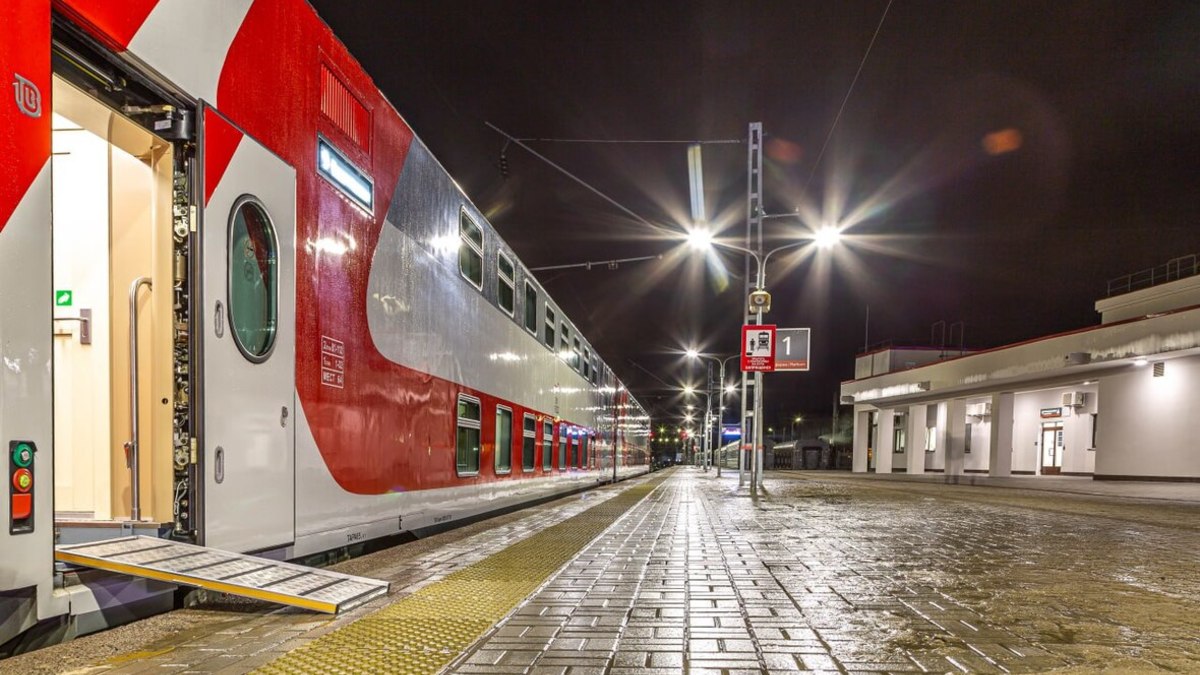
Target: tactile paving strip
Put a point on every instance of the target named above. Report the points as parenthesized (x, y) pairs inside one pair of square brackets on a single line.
[(430, 628)]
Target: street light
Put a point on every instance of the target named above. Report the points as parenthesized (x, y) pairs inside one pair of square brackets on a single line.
[(693, 353), (701, 239)]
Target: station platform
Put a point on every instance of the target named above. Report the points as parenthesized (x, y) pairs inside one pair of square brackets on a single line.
[(682, 571)]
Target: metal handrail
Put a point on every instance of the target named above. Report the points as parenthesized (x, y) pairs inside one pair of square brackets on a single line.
[(131, 448), (1173, 270)]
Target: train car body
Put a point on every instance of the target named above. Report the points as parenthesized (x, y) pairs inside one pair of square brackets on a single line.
[(241, 304)]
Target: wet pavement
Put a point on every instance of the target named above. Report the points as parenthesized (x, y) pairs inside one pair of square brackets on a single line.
[(821, 573)]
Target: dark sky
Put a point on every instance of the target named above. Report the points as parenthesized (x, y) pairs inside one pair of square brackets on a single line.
[(1101, 181)]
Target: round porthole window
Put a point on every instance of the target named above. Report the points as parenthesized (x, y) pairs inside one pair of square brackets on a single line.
[(253, 278)]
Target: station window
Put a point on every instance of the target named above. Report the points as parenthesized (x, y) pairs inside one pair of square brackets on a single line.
[(253, 279), (470, 256), (550, 323), (529, 442), (547, 446), (930, 439), (900, 433), (469, 424), (505, 291), (504, 438), (562, 448), (531, 303)]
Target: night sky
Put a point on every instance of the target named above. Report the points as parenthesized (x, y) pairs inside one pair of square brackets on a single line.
[(1002, 161)]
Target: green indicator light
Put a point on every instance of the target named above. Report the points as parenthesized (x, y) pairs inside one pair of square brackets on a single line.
[(22, 455)]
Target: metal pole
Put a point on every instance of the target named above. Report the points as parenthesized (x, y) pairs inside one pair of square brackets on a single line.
[(742, 438), (721, 419), (135, 504)]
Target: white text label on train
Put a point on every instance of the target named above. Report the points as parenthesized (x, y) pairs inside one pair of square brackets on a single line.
[(333, 362)]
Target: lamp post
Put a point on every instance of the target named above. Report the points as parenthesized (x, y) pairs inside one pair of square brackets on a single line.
[(702, 239), (798, 419), (695, 354)]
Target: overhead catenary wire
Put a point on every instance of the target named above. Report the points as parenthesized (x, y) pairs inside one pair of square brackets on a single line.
[(837, 118), (577, 179), (634, 141)]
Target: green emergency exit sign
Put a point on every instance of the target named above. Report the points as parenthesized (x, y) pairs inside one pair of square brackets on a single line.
[(64, 298)]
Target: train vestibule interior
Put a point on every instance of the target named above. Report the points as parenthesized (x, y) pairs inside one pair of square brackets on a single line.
[(111, 200)]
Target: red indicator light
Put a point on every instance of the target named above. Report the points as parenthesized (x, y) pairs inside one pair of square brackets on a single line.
[(22, 506), (22, 480)]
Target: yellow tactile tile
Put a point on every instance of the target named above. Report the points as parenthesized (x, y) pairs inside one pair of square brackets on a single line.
[(425, 631)]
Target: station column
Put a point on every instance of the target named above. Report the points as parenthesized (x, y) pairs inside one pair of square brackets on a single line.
[(1000, 447), (956, 435), (862, 427), (915, 455), (883, 444)]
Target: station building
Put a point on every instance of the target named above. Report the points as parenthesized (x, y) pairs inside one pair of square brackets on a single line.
[(1117, 401)]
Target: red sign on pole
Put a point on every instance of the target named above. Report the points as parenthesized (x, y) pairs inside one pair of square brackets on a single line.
[(758, 349)]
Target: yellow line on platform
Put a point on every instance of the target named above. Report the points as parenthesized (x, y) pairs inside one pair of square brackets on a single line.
[(425, 631)]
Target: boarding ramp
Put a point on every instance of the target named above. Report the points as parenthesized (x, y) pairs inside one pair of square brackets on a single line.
[(234, 573)]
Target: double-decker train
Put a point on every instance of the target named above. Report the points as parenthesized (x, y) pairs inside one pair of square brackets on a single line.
[(242, 305)]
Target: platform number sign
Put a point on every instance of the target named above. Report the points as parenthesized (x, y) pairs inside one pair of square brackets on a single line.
[(758, 348), (792, 348)]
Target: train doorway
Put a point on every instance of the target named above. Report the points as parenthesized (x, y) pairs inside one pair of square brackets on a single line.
[(113, 346)]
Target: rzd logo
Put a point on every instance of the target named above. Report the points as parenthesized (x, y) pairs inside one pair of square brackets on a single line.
[(29, 99)]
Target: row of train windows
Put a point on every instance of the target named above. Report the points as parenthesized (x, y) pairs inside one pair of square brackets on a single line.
[(470, 265), (572, 450)]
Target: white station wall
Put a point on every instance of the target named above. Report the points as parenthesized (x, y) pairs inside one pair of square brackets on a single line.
[(1149, 425), (1077, 429)]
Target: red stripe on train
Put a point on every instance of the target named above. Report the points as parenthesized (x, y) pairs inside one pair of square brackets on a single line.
[(25, 103)]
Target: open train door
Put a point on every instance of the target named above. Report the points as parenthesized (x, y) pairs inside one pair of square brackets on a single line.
[(248, 325)]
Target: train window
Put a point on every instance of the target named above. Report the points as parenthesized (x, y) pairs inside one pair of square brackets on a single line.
[(562, 448), (253, 279), (583, 451), (470, 257), (469, 424), (531, 303), (529, 444), (575, 452), (587, 363), (550, 323), (596, 372), (575, 354), (504, 438), (547, 446), (564, 343), (506, 289)]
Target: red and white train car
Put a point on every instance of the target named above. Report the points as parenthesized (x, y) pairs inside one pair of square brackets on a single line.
[(241, 303)]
